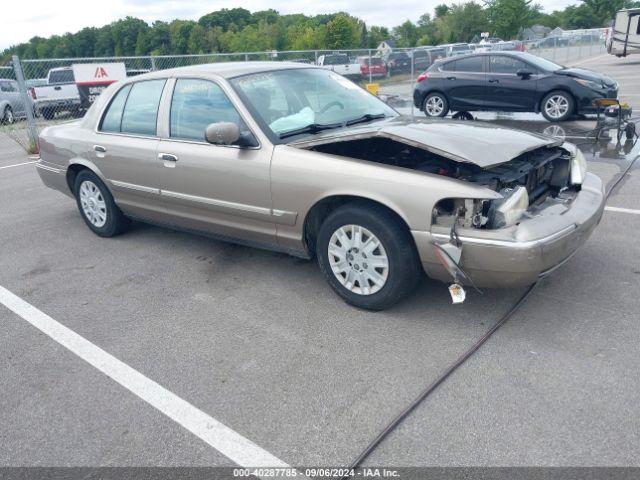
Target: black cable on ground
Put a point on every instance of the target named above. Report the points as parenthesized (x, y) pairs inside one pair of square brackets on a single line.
[(443, 376), (463, 358)]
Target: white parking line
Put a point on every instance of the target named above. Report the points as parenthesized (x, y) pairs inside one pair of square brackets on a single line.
[(622, 210), (17, 165), (228, 442)]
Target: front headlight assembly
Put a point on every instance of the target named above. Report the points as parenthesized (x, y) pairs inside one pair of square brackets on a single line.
[(508, 210)]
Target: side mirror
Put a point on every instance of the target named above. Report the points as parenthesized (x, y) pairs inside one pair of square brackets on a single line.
[(222, 133), (522, 73)]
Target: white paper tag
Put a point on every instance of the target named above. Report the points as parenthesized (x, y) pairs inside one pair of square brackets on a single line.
[(457, 293)]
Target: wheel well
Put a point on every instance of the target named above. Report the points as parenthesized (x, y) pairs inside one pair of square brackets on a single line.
[(560, 89), (72, 173), (321, 210)]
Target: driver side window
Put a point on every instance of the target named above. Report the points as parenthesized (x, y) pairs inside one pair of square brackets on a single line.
[(196, 104)]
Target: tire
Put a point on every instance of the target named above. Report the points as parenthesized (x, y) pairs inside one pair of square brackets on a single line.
[(393, 282), (48, 113), (96, 205), (558, 106), (435, 105), (7, 116)]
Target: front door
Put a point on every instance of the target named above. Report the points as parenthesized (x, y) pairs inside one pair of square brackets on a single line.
[(222, 189), (506, 90)]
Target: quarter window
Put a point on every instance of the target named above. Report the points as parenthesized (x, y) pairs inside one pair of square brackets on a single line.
[(140, 114), (195, 105), (469, 64), (504, 64), (113, 118)]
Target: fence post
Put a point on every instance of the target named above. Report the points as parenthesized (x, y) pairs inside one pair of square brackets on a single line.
[(370, 76), (31, 121), (153, 64), (413, 79)]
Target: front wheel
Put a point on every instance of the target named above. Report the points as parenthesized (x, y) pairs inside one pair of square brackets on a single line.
[(367, 256), (97, 207), (557, 106), (435, 105)]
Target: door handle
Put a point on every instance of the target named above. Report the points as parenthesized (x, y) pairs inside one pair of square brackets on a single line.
[(451, 78), (100, 148), (167, 157), (494, 80)]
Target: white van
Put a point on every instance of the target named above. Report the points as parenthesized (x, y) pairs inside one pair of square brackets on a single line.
[(624, 38)]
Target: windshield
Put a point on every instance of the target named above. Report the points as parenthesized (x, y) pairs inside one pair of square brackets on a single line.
[(286, 101), (542, 63)]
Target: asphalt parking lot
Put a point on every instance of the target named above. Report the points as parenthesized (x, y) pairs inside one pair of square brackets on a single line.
[(257, 341)]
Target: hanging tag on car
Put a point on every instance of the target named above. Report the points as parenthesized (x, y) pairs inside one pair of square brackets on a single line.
[(457, 293)]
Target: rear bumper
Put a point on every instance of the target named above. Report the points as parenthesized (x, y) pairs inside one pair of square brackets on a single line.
[(529, 251)]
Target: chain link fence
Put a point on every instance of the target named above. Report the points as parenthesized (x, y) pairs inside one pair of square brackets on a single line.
[(38, 93)]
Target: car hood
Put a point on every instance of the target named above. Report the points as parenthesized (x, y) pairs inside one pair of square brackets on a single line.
[(481, 144), (587, 75)]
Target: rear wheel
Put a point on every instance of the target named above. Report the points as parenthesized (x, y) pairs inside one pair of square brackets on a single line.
[(97, 207), (48, 113), (557, 106), (436, 105), (367, 256), (8, 117)]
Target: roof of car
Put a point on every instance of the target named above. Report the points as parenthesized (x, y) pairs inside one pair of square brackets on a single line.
[(228, 69)]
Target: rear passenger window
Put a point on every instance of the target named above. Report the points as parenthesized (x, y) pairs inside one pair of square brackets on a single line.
[(469, 64), (141, 109), (113, 118), (195, 105)]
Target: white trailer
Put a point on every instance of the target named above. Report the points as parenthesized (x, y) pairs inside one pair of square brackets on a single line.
[(625, 33)]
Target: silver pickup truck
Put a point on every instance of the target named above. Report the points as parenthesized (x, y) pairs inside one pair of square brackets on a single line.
[(60, 94)]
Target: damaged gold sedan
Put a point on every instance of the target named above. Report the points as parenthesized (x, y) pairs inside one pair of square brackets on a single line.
[(299, 159)]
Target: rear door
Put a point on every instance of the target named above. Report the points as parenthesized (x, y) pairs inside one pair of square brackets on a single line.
[(124, 148), (506, 90), (465, 81)]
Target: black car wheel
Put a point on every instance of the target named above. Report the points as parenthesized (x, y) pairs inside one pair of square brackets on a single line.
[(557, 106), (97, 207), (435, 105), (7, 117), (367, 256), (48, 113)]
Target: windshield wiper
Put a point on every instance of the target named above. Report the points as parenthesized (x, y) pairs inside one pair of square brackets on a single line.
[(311, 128), (367, 117)]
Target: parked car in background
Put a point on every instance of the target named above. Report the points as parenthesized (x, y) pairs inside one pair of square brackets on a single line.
[(12, 105), (423, 57), (372, 67), (456, 49), (510, 82), (60, 94), (512, 46), (398, 62), (297, 159), (340, 63)]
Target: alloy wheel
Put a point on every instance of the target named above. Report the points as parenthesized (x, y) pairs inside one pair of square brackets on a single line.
[(434, 106), (557, 106), (358, 259), (93, 204)]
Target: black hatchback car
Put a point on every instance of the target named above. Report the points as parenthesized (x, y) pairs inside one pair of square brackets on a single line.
[(510, 82)]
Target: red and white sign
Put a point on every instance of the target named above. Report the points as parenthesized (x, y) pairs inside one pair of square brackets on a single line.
[(98, 73)]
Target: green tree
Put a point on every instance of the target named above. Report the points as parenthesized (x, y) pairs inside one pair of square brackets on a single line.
[(509, 16), (339, 32)]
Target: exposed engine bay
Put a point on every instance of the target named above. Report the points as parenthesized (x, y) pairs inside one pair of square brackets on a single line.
[(530, 180)]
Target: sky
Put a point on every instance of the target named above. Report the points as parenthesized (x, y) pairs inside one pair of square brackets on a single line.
[(44, 18)]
